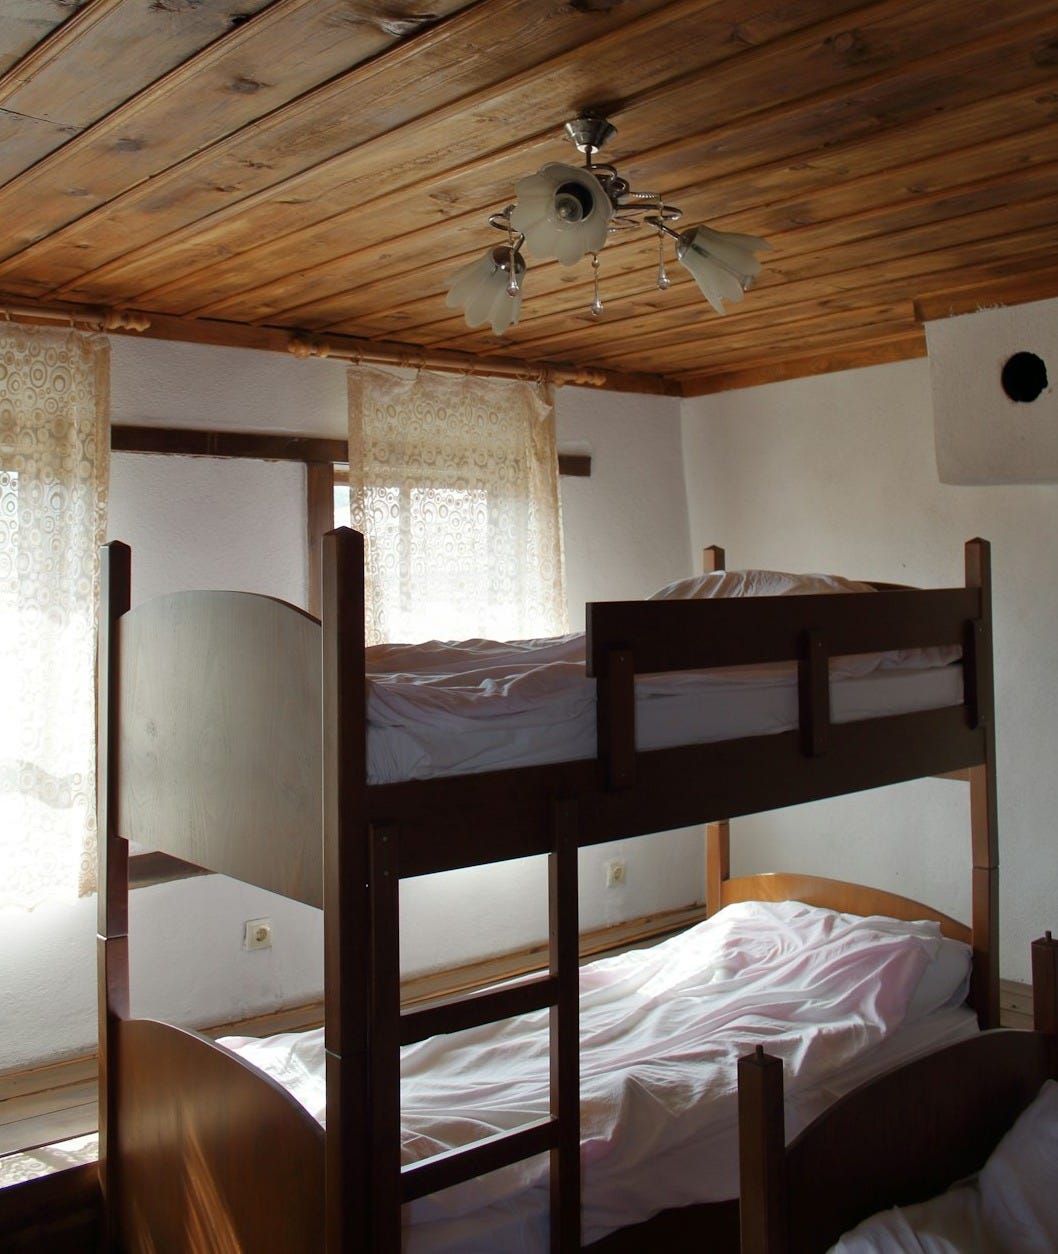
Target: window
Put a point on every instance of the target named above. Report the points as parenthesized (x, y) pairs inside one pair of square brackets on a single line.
[(454, 483)]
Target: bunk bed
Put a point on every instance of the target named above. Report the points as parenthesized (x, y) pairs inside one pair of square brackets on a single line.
[(211, 750), (980, 1115)]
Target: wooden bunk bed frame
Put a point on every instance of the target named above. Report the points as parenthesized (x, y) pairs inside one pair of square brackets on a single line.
[(898, 1139), (188, 1134)]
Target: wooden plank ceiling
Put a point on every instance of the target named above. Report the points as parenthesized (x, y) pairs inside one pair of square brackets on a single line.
[(315, 170)]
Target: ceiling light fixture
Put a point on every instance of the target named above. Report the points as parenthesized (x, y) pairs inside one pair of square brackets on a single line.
[(565, 212)]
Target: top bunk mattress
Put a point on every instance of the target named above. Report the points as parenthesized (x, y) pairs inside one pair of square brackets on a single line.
[(444, 708)]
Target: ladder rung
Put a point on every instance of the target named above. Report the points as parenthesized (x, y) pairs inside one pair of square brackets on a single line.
[(478, 1009), (466, 1162)]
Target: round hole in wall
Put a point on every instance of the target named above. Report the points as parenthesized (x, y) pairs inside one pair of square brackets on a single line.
[(1024, 377)]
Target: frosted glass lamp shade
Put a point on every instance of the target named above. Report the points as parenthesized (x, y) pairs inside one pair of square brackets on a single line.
[(481, 290), (723, 263), (563, 212)]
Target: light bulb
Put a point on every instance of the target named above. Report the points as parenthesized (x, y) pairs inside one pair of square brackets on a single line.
[(563, 212)]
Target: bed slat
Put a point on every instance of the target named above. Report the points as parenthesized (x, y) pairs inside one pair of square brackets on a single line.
[(467, 1162), (740, 631), (478, 1009)]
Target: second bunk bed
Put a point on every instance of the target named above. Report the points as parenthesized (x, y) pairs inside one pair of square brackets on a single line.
[(236, 733), (953, 1150)]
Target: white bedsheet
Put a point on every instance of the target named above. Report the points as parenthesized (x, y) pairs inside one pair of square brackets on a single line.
[(456, 708), (661, 1030)]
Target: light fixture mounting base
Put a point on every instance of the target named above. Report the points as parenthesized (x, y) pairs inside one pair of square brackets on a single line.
[(590, 132)]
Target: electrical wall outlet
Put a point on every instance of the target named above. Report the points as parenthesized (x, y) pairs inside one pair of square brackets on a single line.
[(257, 934), (616, 873)]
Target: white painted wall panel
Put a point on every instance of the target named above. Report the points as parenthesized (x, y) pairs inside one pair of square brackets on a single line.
[(982, 434), (837, 473)]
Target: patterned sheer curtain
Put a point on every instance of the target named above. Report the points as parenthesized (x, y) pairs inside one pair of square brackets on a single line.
[(454, 483), (54, 458)]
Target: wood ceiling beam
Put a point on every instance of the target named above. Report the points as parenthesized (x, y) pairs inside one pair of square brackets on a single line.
[(951, 291), (964, 294), (753, 97), (129, 45), (715, 338), (297, 150), (834, 220), (899, 348), (793, 177), (900, 265)]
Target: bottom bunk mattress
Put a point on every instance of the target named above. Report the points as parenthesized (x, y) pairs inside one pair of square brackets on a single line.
[(837, 997)]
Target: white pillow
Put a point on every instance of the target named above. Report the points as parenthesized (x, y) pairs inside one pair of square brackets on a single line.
[(755, 583), (945, 981)]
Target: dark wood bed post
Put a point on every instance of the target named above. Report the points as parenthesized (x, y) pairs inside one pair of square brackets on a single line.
[(112, 942), (762, 1160), (717, 863), (563, 968), (350, 1210), (717, 835), (984, 826), (1045, 987), (713, 559)]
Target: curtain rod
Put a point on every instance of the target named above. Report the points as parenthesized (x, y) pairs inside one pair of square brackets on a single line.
[(457, 363), (93, 318), (303, 344)]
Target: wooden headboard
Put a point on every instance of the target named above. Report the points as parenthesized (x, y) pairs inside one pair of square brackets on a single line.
[(249, 778)]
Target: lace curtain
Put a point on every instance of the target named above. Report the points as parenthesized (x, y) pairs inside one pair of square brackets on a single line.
[(54, 458), (454, 483)]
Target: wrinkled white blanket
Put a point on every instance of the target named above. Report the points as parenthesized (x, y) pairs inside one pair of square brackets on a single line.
[(661, 1030)]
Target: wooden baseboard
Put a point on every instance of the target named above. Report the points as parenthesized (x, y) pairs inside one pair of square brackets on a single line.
[(455, 981)]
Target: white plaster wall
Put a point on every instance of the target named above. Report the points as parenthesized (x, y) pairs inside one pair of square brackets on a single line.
[(982, 435), (838, 473), (625, 527), (200, 522), (197, 385)]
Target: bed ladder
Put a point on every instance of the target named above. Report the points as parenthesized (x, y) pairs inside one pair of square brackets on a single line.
[(378, 1226), (366, 1185)]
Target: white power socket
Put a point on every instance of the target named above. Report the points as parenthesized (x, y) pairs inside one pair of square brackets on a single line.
[(257, 934), (616, 873)]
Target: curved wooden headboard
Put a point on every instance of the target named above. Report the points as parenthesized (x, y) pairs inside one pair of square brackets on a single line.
[(842, 895), (219, 757)]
